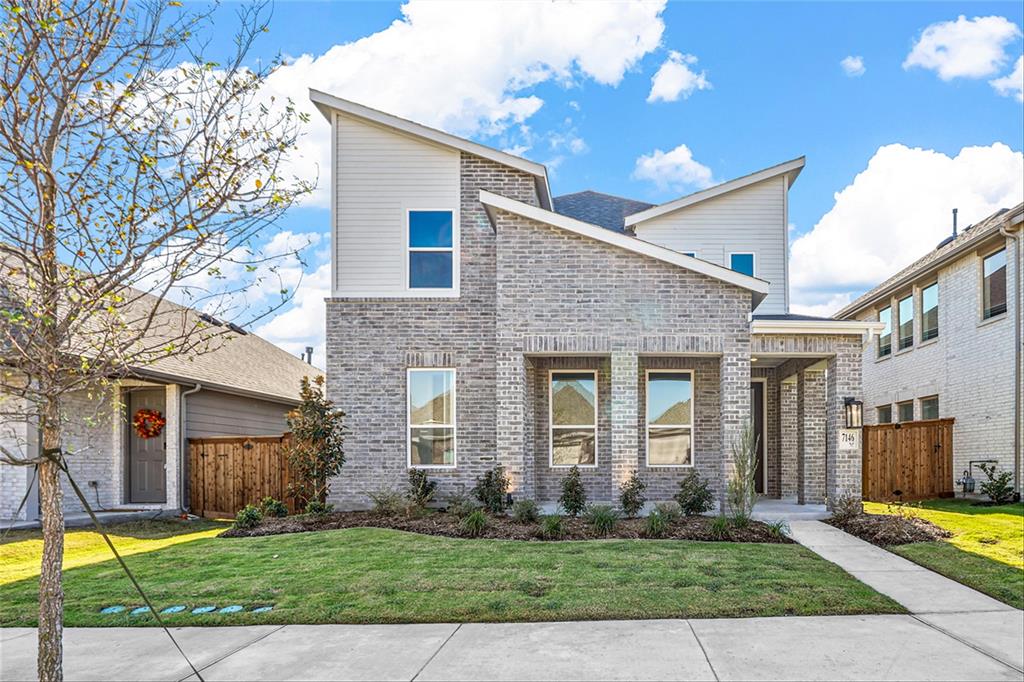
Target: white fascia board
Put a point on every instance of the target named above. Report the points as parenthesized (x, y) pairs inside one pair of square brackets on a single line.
[(492, 201), (790, 168), (325, 103), (816, 327)]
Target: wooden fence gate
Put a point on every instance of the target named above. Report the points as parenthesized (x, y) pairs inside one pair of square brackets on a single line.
[(914, 458), (225, 474)]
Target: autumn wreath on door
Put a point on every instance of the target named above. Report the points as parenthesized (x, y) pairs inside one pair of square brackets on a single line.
[(148, 423)]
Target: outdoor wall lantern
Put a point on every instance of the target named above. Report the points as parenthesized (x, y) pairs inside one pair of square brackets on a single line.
[(854, 413)]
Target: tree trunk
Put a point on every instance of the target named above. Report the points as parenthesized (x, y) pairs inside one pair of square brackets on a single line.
[(51, 589)]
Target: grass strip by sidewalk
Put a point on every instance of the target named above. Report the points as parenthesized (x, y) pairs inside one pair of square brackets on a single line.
[(369, 575)]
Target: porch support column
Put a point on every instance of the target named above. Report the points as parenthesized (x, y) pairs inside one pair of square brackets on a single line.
[(788, 438), (735, 407), (843, 464), (510, 399), (625, 368), (811, 437)]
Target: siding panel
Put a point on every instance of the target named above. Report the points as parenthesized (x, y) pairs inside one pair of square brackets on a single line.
[(209, 414)]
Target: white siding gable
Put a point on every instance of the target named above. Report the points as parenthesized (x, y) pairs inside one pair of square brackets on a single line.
[(381, 174), (747, 220)]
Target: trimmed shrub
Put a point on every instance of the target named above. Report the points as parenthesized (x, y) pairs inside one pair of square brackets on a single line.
[(474, 524), (248, 516), (720, 528), (421, 489), (574, 495), (655, 525), (998, 486), (318, 508), (271, 507), (670, 511), (631, 495), (551, 527), (846, 508), (694, 496), (492, 489), (601, 518), (386, 502), (525, 511)]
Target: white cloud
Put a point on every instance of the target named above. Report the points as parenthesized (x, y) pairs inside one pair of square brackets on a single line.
[(303, 323), (853, 66), (468, 68), (895, 211), (965, 48), (675, 169), (675, 79), (1013, 83)]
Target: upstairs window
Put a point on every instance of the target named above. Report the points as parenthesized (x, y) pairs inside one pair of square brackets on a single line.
[(431, 250), (930, 407), (669, 419), (573, 405), (431, 402), (994, 285), (930, 312), (884, 414), (742, 262), (906, 313), (885, 338)]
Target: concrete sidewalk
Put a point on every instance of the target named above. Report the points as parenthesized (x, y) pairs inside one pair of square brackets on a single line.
[(885, 647)]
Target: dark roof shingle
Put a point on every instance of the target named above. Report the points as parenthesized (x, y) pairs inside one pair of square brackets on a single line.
[(603, 210)]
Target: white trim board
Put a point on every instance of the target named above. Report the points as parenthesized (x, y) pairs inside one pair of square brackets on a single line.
[(491, 201), (816, 327)]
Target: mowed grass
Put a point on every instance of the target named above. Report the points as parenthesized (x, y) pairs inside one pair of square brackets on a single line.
[(368, 575), (986, 551)]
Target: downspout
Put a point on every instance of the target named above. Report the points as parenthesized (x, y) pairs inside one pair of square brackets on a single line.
[(183, 446), (1017, 387)]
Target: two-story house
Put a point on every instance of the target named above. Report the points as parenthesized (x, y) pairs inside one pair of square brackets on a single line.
[(475, 321), (951, 343)]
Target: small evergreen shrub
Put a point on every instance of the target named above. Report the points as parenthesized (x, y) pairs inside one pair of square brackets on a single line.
[(694, 496), (248, 516), (386, 502), (492, 490), (271, 507), (655, 525), (318, 508), (525, 511), (421, 489), (551, 527), (998, 486), (474, 524), (574, 495), (601, 518), (670, 511), (631, 495), (720, 528)]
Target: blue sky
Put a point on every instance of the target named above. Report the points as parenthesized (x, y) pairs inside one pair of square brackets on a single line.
[(572, 87)]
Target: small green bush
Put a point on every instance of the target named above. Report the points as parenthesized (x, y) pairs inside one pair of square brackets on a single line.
[(778, 529), (271, 507), (474, 524), (525, 511), (492, 490), (998, 487), (248, 516), (670, 511), (846, 508), (601, 518), (655, 525), (720, 528), (631, 495), (386, 502), (551, 527), (574, 495), (318, 508), (694, 496), (421, 489)]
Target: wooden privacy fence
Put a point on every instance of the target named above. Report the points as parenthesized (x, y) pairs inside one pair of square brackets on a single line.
[(915, 458), (225, 474)]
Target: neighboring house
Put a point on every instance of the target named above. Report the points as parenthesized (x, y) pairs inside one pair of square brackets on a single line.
[(951, 344), (476, 321), (241, 386)]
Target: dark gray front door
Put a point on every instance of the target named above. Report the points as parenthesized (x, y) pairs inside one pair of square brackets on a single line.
[(146, 456), (757, 414)]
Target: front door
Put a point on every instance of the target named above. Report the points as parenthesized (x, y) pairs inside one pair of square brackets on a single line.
[(146, 456), (757, 415)]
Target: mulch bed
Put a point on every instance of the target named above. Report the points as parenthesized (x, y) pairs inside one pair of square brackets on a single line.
[(888, 530), (502, 528)]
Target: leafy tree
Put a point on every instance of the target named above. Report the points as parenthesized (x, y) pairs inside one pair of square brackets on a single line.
[(316, 452), (137, 172)]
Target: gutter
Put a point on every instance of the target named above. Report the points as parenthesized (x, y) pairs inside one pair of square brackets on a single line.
[(183, 471), (1017, 386)]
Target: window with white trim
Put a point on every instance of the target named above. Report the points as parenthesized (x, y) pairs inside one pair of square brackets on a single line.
[(930, 407), (905, 411), (884, 413), (993, 284), (669, 419), (431, 406), (742, 263), (905, 312), (885, 336), (572, 402), (431, 250), (930, 312)]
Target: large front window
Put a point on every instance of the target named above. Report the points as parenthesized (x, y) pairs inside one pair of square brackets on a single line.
[(994, 285), (669, 419), (930, 312), (431, 250), (431, 400), (573, 403), (885, 338), (906, 313)]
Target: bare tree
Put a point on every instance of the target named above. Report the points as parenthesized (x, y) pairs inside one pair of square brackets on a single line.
[(138, 173)]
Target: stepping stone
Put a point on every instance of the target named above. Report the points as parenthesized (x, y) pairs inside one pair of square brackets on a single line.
[(202, 609), (262, 609), (112, 609), (230, 609), (140, 610), (173, 609)]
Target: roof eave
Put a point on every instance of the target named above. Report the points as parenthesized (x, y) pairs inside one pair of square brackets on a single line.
[(842, 327)]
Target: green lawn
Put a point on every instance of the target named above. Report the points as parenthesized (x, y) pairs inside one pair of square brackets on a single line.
[(367, 575), (986, 551)]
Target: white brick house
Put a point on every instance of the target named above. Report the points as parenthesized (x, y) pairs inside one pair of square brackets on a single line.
[(952, 347), (475, 321)]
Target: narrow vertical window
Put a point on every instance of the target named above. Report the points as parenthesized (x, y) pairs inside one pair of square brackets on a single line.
[(994, 285), (742, 262), (905, 310), (884, 413), (885, 338), (431, 405), (930, 407), (573, 423), (930, 312), (669, 419), (905, 411), (431, 250)]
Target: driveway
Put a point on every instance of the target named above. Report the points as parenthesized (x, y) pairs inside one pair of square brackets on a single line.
[(822, 647)]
